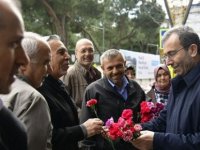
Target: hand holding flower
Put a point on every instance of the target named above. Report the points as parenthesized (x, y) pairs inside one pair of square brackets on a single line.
[(145, 141), (93, 126)]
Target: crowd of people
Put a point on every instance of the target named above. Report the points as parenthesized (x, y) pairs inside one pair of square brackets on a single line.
[(43, 101)]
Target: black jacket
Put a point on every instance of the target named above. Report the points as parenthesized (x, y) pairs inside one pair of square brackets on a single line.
[(64, 116), (12, 132), (111, 104)]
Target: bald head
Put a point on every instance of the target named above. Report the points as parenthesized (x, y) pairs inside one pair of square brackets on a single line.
[(8, 10), (84, 53), (83, 42), (11, 33)]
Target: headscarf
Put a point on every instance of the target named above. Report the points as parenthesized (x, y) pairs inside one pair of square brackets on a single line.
[(156, 84)]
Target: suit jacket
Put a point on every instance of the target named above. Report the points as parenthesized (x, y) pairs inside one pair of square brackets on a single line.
[(178, 125), (12, 132), (77, 79), (32, 109), (66, 129), (111, 104)]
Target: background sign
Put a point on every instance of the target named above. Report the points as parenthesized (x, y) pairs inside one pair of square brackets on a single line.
[(143, 63)]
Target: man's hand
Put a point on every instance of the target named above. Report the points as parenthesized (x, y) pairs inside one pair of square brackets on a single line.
[(144, 141), (93, 126)]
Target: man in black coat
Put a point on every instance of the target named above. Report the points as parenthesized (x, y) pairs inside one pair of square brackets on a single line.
[(66, 129), (114, 93), (12, 132)]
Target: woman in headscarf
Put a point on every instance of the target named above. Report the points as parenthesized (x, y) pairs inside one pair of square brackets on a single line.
[(160, 89)]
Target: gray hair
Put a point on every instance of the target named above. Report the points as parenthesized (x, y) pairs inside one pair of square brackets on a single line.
[(187, 36), (30, 44), (52, 37), (109, 54)]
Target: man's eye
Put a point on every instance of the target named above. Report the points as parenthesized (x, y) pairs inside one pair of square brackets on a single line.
[(62, 52), (14, 45)]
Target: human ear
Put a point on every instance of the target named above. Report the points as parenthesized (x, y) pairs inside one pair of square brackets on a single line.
[(193, 50), (22, 69)]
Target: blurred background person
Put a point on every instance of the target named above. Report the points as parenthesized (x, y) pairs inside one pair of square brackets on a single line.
[(82, 73), (24, 100), (160, 89), (130, 72), (66, 129), (12, 132)]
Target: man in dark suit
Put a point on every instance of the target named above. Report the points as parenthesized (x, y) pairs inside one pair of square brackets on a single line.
[(12, 132), (66, 129)]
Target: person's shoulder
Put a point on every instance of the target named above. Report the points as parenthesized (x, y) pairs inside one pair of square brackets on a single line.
[(71, 68), (134, 84), (72, 71), (96, 83), (21, 86), (25, 90)]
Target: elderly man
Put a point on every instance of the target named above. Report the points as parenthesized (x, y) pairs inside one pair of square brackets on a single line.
[(177, 127), (66, 129), (25, 101), (114, 93), (82, 73), (12, 133)]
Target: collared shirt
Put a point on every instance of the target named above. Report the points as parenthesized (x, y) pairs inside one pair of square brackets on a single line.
[(123, 89)]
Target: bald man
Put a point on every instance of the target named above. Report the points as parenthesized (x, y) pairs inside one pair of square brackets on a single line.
[(82, 73), (12, 132)]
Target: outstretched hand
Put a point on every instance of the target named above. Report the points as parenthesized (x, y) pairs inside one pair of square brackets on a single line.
[(144, 141)]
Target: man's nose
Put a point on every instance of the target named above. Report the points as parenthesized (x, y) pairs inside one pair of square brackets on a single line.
[(21, 58)]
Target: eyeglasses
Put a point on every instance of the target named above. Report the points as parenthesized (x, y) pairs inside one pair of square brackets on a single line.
[(171, 54)]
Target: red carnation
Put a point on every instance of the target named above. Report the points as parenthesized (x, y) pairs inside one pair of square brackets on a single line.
[(127, 114), (91, 103)]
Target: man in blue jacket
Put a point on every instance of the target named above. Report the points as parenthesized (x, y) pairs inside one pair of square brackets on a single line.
[(178, 126)]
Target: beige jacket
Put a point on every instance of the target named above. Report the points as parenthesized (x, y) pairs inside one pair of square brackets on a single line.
[(32, 109), (76, 83)]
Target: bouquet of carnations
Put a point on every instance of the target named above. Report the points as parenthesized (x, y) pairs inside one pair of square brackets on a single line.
[(150, 110), (124, 128)]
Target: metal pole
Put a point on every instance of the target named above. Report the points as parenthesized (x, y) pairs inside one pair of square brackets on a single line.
[(187, 12), (169, 14)]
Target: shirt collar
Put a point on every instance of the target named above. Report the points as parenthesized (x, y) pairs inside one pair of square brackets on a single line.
[(124, 80), (190, 78)]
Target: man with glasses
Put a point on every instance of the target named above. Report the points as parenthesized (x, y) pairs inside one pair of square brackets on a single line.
[(82, 73), (178, 126)]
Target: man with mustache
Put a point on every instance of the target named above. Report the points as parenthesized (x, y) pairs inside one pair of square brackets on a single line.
[(178, 125), (66, 129), (114, 93), (12, 132), (82, 73), (24, 100)]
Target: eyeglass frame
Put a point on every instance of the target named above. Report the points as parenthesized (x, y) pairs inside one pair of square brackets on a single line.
[(172, 54)]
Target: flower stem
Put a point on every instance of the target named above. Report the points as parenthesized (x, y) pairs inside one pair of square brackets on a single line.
[(111, 142)]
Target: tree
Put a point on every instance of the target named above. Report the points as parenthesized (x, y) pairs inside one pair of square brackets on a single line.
[(106, 23)]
